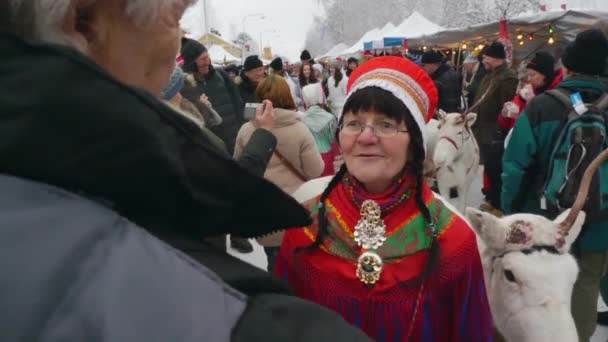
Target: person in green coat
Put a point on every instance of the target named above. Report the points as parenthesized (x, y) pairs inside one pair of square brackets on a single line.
[(528, 154), (497, 87)]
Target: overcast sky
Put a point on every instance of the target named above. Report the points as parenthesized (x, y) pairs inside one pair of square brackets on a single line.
[(289, 18)]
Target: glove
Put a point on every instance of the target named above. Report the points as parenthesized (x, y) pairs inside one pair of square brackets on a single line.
[(527, 92), (510, 110)]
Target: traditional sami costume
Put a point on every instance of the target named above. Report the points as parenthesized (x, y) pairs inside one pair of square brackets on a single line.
[(450, 305)]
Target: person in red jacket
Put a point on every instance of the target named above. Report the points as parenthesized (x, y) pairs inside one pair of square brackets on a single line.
[(542, 76)]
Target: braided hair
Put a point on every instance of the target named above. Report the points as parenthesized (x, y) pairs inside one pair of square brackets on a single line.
[(381, 101)]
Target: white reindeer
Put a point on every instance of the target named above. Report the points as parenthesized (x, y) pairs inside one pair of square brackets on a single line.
[(454, 156), (528, 271)]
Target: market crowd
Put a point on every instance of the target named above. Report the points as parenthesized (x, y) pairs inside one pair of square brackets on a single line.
[(127, 158)]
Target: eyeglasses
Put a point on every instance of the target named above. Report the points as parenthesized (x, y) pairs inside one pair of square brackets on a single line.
[(382, 129)]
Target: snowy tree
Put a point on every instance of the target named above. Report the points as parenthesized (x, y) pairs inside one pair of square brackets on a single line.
[(348, 20), (193, 20), (510, 8)]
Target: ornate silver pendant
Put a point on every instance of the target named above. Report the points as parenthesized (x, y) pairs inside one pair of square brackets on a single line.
[(369, 268), (370, 230)]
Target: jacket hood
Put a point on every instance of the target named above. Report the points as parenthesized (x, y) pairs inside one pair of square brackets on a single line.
[(136, 154), (317, 119), (285, 117)]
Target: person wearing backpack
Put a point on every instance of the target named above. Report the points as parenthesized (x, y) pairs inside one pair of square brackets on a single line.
[(554, 140), (203, 78)]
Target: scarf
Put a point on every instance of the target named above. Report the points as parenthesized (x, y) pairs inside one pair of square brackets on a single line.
[(407, 231)]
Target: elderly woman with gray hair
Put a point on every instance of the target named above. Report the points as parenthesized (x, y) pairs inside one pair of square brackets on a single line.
[(89, 154)]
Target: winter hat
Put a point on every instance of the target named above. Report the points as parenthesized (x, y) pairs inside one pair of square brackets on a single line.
[(232, 68), (176, 83), (312, 94), (252, 62), (191, 50), (544, 63), (587, 54), (318, 67), (496, 50), (277, 64), (405, 80), (337, 63), (431, 57), (305, 55)]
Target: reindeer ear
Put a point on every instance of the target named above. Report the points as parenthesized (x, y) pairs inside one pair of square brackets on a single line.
[(441, 115), (471, 118), (476, 218), (487, 227), (574, 231)]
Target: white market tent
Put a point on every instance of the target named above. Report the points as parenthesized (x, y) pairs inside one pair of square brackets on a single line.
[(220, 56), (416, 25), (334, 52), (385, 31), (377, 41), (358, 46)]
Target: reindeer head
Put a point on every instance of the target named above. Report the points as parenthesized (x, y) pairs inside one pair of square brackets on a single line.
[(529, 279), (529, 273), (454, 132)]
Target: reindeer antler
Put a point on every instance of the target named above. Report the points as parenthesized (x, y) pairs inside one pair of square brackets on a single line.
[(583, 191)]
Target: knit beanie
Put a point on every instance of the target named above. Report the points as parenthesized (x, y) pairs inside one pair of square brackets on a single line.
[(587, 54), (277, 64), (544, 63), (405, 80), (305, 55), (176, 83), (191, 50), (252, 62), (431, 57), (496, 50)]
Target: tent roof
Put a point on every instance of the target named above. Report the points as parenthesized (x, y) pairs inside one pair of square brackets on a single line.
[(416, 25), (385, 31), (567, 25), (335, 51), (218, 54), (358, 46)]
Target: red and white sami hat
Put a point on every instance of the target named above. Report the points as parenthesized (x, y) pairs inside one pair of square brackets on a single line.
[(402, 78)]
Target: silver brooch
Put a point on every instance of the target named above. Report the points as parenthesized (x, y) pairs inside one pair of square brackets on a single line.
[(370, 230)]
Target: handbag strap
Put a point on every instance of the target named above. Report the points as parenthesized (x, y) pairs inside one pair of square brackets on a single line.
[(290, 166)]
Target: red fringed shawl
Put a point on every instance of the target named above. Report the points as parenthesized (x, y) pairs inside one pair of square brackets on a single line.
[(453, 305)]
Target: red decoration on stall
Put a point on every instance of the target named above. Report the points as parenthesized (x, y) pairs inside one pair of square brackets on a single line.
[(505, 40)]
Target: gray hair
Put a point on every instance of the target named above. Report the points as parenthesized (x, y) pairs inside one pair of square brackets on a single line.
[(41, 20)]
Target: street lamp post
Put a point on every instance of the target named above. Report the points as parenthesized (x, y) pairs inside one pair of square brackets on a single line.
[(254, 15), (206, 18)]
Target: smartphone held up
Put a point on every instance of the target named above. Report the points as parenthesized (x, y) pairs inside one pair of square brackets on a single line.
[(250, 110)]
